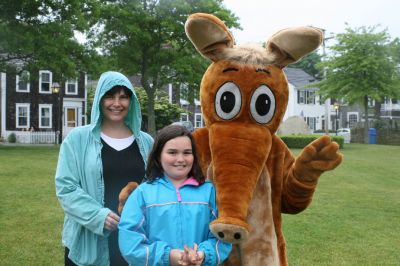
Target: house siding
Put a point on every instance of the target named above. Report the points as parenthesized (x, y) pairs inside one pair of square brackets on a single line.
[(35, 99)]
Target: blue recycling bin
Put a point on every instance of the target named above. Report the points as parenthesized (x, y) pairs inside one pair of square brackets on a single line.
[(372, 136)]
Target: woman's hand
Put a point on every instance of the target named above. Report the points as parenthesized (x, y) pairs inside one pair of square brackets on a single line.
[(111, 222)]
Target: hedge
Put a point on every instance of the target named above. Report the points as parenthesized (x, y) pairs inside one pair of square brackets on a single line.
[(300, 141)]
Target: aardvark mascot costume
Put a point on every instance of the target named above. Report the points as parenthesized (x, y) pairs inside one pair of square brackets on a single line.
[(244, 94)]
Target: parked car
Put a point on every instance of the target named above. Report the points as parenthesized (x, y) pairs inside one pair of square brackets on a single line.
[(345, 133)]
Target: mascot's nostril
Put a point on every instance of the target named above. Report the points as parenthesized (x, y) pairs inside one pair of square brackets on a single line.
[(237, 236), (221, 234)]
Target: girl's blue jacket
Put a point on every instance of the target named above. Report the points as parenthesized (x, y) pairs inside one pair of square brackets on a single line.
[(157, 217)]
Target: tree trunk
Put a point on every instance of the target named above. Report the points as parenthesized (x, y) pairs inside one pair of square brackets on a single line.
[(192, 105), (151, 120), (377, 108), (366, 124)]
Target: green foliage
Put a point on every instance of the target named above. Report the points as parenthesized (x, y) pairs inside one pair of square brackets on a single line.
[(361, 66), (300, 141), (309, 64), (147, 37), (165, 112), (90, 97), (12, 138), (41, 35)]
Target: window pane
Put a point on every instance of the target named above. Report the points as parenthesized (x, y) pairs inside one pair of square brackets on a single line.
[(45, 112), (23, 111), (45, 86), (45, 77), (22, 86), (45, 122), (22, 121), (71, 88)]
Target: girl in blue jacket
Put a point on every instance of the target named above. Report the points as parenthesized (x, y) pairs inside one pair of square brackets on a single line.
[(172, 210), (96, 161)]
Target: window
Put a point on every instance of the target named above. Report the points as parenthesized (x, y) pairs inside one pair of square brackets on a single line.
[(71, 87), (45, 115), (353, 119), (184, 117), (310, 97), (301, 96), (45, 81), (305, 97), (371, 102), (22, 115), (22, 82), (311, 122), (198, 120)]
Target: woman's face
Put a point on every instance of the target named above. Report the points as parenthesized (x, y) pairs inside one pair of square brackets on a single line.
[(177, 158), (115, 106)]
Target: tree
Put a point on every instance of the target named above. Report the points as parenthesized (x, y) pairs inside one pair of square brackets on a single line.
[(361, 67), (147, 38), (309, 64), (40, 35), (165, 112)]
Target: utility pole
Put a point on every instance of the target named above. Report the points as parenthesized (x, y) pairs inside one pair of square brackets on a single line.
[(327, 104)]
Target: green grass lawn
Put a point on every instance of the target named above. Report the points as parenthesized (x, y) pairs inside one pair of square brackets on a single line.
[(354, 218)]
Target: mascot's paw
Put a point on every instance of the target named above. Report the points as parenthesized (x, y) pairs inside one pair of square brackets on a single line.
[(124, 194), (319, 156)]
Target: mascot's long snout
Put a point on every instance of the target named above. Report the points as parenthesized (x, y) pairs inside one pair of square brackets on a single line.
[(238, 158)]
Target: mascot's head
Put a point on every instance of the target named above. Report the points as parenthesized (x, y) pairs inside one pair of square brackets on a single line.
[(244, 94)]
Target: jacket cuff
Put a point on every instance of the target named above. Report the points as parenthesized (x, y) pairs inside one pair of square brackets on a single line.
[(209, 259), (102, 217), (166, 256)]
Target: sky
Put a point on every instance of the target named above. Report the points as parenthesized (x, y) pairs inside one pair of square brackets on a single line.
[(262, 18)]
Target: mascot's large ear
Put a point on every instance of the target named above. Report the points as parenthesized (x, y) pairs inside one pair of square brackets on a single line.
[(208, 34), (289, 45)]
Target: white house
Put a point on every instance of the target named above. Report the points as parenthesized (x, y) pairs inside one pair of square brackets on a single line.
[(304, 101)]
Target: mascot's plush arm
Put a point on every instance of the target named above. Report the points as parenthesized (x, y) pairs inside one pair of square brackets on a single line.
[(124, 194), (300, 175)]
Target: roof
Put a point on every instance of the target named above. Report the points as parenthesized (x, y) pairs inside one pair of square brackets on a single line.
[(298, 77)]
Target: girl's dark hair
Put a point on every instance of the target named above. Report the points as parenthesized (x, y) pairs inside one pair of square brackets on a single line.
[(154, 168), (117, 89)]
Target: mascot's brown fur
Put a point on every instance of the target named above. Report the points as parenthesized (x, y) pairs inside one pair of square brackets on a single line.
[(244, 94)]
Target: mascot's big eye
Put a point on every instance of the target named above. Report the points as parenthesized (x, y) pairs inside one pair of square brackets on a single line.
[(228, 101), (262, 105)]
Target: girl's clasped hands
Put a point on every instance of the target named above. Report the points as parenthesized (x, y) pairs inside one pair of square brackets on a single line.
[(187, 257)]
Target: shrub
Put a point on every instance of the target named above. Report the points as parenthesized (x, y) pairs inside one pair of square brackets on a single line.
[(12, 138), (300, 141)]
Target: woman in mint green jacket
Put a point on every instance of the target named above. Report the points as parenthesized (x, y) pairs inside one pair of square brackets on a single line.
[(95, 162)]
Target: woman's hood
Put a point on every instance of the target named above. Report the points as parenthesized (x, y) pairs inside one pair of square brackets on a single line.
[(107, 81)]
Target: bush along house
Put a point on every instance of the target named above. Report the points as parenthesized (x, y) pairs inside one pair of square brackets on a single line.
[(41, 107)]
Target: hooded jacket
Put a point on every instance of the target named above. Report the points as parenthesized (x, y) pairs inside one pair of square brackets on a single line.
[(79, 178), (157, 217)]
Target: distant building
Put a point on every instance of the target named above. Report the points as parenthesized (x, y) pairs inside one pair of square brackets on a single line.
[(30, 102)]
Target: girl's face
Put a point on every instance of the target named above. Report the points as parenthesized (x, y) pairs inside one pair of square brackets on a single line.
[(177, 158), (115, 107)]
